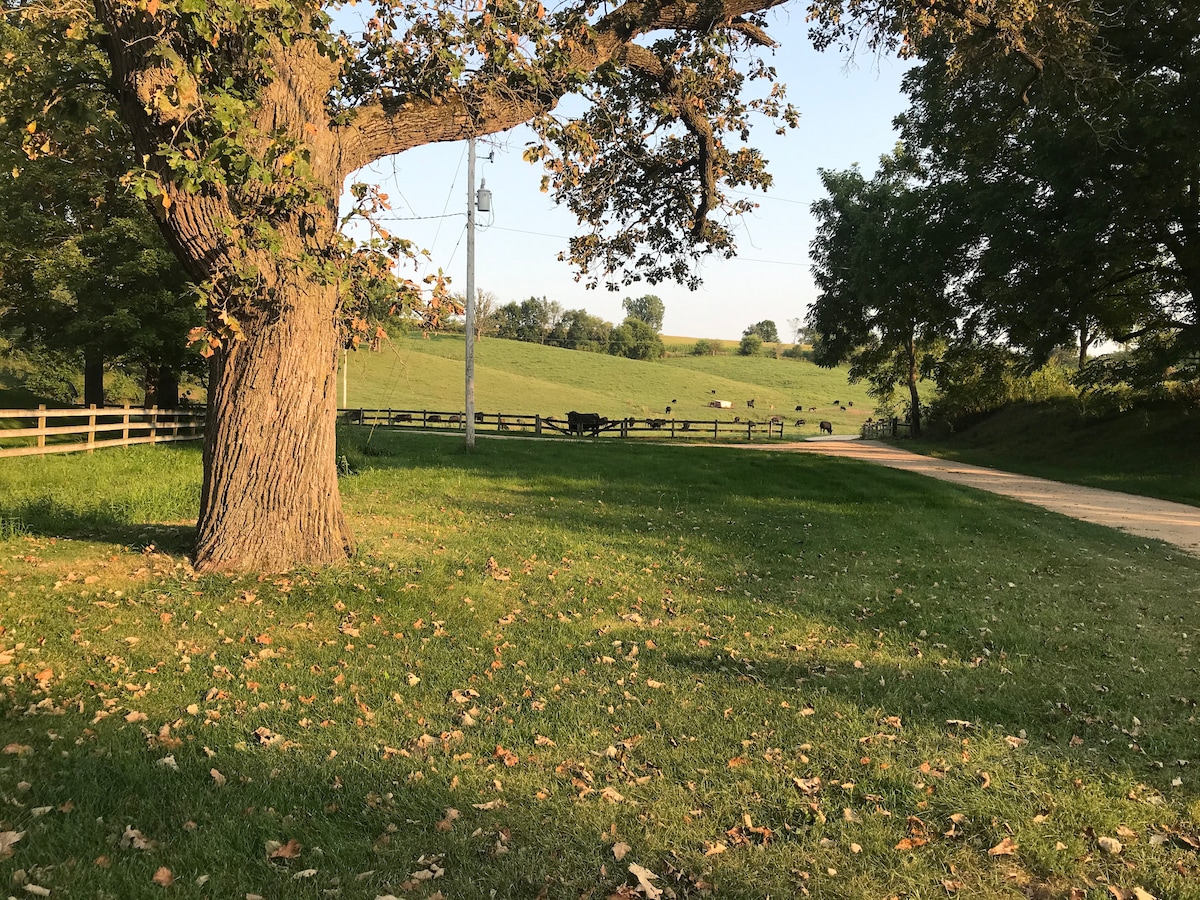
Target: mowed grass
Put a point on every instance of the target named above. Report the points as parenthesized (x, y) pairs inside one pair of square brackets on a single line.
[(752, 674), (513, 377), (1150, 452)]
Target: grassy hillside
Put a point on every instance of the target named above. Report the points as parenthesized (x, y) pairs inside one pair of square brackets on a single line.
[(514, 377), (1147, 451)]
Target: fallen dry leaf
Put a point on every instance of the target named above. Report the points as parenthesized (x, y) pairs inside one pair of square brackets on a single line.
[(163, 876), (1006, 847), (619, 850), (1110, 845), (645, 877), (7, 839), (290, 850), (217, 777), (612, 795), (17, 749), (135, 839), (911, 843)]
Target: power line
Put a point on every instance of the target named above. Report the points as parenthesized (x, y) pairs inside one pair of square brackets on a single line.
[(563, 237)]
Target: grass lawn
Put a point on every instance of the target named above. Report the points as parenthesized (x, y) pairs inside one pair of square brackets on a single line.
[(1151, 452), (750, 674)]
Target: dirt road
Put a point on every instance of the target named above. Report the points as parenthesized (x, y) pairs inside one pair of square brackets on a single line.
[(1175, 523)]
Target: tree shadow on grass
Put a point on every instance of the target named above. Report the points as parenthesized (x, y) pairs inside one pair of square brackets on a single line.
[(43, 517)]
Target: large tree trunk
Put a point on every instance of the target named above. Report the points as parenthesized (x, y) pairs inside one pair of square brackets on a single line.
[(93, 378), (270, 500)]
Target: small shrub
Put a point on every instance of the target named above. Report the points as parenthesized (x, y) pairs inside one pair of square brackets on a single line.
[(751, 344)]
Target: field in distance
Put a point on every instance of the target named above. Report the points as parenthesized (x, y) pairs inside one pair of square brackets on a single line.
[(512, 377)]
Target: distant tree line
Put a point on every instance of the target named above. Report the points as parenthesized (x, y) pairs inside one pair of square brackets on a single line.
[(541, 321)]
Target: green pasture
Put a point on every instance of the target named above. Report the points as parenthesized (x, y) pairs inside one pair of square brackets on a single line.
[(520, 378), (554, 666)]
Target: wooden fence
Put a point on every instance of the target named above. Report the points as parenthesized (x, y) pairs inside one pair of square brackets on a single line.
[(86, 429), (886, 428), (535, 424)]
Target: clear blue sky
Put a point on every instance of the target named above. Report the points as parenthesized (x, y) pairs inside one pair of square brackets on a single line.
[(846, 106)]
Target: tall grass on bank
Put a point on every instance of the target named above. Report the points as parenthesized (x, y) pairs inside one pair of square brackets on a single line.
[(746, 674)]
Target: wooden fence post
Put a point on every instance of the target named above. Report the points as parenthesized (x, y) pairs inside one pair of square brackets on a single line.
[(91, 432), (125, 422), (716, 422), (537, 424), (41, 440), (672, 428)]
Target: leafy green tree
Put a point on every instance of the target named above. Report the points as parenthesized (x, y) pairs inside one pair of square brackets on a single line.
[(704, 347), (766, 329), (583, 331), (83, 267), (247, 118), (751, 344), (885, 257), (635, 339), (1082, 205), (649, 309)]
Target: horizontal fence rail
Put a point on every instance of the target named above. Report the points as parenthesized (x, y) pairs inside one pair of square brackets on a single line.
[(550, 425), (27, 432), (886, 428)]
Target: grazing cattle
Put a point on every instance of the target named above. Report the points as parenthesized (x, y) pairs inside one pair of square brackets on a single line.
[(842, 408), (800, 422), (578, 423), (433, 417), (850, 403), (776, 420), (674, 401), (799, 408), (737, 419), (668, 410), (687, 426), (501, 425), (478, 418), (826, 428), (656, 423), (712, 392), (750, 404), (837, 402), (812, 409), (455, 419), (402, 417)]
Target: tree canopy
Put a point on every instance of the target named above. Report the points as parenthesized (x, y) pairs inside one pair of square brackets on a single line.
[(649, 309), (245, 120)]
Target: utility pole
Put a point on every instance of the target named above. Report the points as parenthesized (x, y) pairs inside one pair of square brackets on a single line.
[(470, 304)]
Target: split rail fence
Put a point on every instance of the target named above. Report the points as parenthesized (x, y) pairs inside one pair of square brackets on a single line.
[(86, 429), (536, 424)]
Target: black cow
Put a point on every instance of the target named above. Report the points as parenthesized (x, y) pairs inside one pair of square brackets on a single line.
[(776, 420), (849, 402), (656, 423), (668, 410), (826, 428), (800, 422), (478, 418), (578, 423), (799, 409), (837, 402), (402, 417), (750, 404), (433, 417)]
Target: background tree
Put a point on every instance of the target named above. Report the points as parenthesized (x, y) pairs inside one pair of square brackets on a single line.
[(649, 309), (766, 329), (247, 119), (1083, 211), (83, 266), (635, 339), (885, 259), (751, 344)]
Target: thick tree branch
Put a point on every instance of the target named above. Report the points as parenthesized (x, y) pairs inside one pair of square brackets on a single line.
[(488, 106), (693, 118)]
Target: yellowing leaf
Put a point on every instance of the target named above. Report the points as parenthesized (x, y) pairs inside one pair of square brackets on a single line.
[(7, 839), (619, 850), (1110, 845), (1006, 847), (290, 850), (217, 777), (163, 876)]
